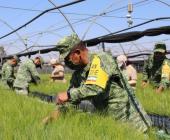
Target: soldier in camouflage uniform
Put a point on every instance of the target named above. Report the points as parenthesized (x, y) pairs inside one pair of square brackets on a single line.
[(157, 69), (27, 73), (7, 72), (97, 85)]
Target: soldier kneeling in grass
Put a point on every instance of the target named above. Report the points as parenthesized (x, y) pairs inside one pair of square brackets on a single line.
[(27, 73), (157, 69), (97, 85), (7, 73)]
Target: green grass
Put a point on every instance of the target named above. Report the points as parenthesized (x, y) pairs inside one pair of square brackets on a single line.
[(21, 116), (153, 102), (49, 87)]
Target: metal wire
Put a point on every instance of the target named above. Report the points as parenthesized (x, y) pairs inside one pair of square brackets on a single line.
[(63, 16), (46, 11)]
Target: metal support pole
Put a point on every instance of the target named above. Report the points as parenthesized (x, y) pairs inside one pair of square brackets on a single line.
[(103, 46)]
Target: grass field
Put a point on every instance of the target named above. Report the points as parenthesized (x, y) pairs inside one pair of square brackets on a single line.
[(21, 117), (154, 102)]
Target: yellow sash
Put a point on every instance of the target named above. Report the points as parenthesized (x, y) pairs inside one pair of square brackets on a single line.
[(166, 70), (97, 76)]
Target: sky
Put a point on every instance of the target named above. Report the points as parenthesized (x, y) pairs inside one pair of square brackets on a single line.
[(51, 27)]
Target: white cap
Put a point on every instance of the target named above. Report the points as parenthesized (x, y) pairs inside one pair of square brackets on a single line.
[(53, 61), (121, 59)]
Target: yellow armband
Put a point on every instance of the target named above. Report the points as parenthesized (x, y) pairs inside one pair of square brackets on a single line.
[(97, 76), (166, 71)]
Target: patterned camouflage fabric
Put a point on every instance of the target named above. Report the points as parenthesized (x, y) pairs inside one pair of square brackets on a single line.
[(152, 72), (113, 99), (7, 74), (160, 47), (26, 74), (68, 42), (157, 72)]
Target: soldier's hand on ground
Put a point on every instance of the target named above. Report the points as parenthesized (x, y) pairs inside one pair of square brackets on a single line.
[(159, 90), (144, 84), (62, 98)]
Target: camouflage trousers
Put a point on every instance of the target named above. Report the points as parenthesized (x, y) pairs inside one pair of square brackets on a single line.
[(22, 91)]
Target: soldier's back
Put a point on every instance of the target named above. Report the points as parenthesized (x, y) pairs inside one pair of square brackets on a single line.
[(7, 74), (23, 76), (5, 68)]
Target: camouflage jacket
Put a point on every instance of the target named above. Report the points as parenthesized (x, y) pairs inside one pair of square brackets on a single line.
[(109, 93), (153, 72), (26, 74), (7, 75)]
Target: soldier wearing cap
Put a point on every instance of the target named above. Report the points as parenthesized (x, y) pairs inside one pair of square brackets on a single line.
[(7, 72), (157, 69), (27, 73), (97, 85)]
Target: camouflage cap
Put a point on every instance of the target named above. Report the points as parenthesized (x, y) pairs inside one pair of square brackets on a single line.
[(66, 44), (160, 47), (16, 58)]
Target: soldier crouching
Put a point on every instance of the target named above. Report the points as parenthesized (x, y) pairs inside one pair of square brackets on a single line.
[(97, 84)]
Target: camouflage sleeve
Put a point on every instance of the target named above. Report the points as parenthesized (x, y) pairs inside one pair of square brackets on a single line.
[(85, 91), (34, 74), (165, 77), (91, 90), (145, 71), (164, 82), (9, 74)]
